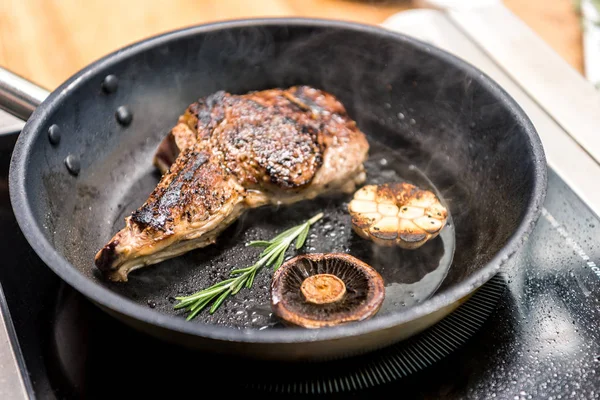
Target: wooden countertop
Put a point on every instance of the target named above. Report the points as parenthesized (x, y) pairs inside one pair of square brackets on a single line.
[(47, 41)]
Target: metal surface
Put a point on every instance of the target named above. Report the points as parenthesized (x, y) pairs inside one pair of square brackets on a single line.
[(572, 162), (541, 340), (9, 124), (590, 19), (14, 380), (528, 60), (12, 385), (549, 80), (465, 147), (19, 96)]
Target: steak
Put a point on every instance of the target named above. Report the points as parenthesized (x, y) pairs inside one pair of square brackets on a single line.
[(230, 153)]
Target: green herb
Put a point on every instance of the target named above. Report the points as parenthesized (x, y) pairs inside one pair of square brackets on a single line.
[(273, 254)]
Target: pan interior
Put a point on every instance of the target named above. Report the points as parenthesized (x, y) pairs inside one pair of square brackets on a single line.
[(410, 276), (428, 121)]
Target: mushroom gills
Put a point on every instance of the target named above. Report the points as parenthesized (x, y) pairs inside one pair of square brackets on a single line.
[(319, 290)]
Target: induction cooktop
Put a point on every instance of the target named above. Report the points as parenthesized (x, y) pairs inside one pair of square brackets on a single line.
[(534, 332)]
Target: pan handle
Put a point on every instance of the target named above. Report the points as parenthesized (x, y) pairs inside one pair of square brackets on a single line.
[(18, 96)]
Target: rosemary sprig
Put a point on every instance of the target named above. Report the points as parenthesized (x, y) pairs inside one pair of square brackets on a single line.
[(273, 254)]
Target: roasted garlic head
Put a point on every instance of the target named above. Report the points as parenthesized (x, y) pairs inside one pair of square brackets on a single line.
[(397, 214)]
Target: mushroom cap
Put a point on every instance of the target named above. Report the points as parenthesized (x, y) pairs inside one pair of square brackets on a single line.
[(299, 290), (397, 214)]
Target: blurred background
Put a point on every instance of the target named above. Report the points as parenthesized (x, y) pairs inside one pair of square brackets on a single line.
[(47, 41)]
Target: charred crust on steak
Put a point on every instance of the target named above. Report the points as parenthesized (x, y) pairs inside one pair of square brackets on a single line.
[(168, 199), (207, 112), (272, 139), (275, 149)]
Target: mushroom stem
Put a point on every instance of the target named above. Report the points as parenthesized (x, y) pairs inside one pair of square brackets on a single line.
[(323, 289)]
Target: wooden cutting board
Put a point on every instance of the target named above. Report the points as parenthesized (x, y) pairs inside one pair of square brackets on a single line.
[(46, 41)]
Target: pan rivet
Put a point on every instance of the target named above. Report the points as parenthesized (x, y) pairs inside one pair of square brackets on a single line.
[(73, 164), (54, 134), (124, 116), (110, 83)]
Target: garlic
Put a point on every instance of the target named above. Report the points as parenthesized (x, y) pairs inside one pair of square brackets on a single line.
[(397, 214)]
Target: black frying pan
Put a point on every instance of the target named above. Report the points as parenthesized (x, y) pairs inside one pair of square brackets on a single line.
[(430, 118)]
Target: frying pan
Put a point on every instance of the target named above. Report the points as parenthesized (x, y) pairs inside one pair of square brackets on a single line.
[(83, 162)]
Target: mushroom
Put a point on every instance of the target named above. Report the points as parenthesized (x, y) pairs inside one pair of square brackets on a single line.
[(397, 214), (318, 290)]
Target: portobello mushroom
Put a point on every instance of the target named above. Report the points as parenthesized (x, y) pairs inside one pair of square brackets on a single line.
[(319, 290)]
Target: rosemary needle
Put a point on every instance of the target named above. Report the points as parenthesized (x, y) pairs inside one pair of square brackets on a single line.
[(273, 254)]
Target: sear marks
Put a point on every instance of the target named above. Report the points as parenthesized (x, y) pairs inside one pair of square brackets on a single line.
[(187, 190), (273, 149), (268, 138), (229, 153)]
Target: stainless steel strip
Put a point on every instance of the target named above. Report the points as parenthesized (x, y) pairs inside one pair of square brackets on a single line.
[(565, 156), (9, 124), (18, 97), (12, 384), (548, 79)]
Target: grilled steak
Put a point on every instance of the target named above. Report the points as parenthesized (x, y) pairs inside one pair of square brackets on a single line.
[(229, 153)]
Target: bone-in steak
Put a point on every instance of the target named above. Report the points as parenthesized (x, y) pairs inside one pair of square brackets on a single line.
[(229, 153)]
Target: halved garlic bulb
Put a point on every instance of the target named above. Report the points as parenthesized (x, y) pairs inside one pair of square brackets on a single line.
[(397, 214)]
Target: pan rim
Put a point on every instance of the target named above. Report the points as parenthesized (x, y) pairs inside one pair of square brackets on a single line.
[(31, 228)]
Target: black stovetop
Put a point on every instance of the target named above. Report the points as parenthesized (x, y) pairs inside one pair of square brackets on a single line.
[(543, 340)]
